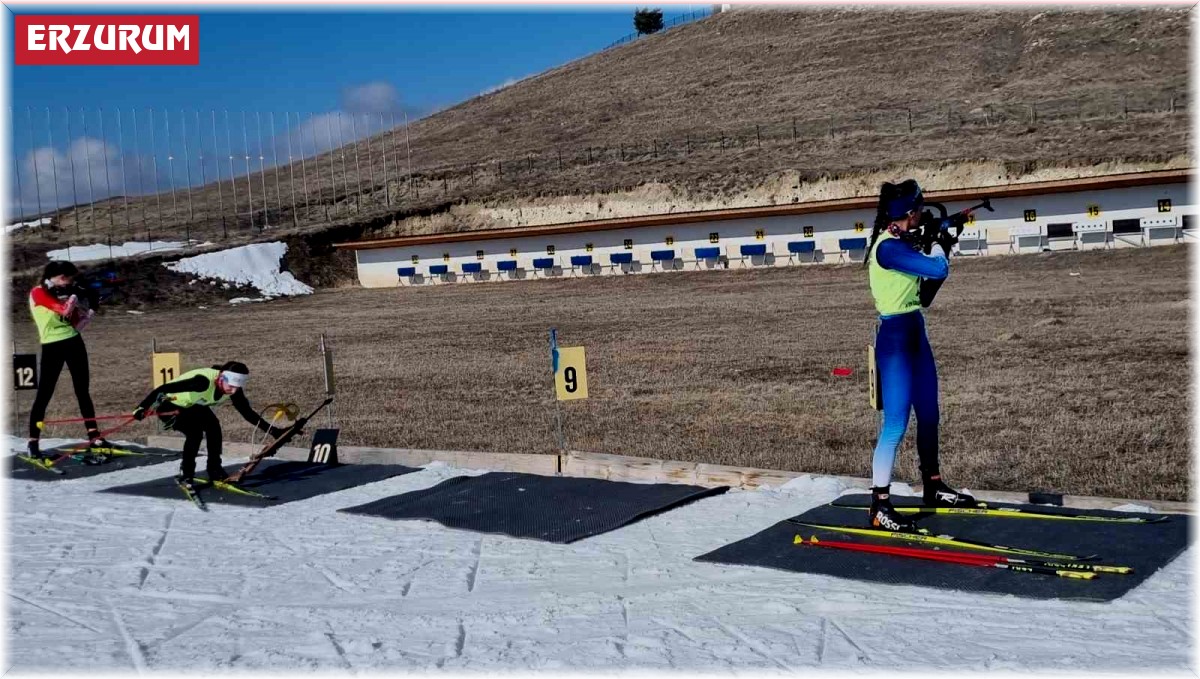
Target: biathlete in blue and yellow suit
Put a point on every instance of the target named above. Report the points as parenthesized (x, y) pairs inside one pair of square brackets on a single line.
[(904, 280), (184, 405)]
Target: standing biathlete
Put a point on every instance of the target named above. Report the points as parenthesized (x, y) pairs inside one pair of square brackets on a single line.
[(903, 280), (185, 405), (60, 313)]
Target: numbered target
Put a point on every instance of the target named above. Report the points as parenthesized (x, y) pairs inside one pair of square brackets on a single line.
[(570, 382), (25, 375), (324, 447), (164, 368)]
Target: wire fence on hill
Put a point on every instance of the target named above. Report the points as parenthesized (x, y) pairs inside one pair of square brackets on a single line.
[(192, 176)]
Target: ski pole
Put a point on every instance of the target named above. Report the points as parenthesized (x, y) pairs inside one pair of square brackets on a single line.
[(69, 420), (981, 560), (91, 439)]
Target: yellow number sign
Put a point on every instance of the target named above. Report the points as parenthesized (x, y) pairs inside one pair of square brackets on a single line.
[(164, 368), (570, 382)]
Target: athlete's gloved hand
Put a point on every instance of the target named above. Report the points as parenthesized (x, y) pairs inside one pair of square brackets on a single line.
[(84, 319), (276, 432), (139, 413)]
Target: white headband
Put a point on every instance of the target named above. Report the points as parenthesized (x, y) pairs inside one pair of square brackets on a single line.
[(234, 379)]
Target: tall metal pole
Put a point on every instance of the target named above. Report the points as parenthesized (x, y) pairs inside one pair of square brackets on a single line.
[(408, 144), (112, 218), (232, 175), (275, 158), (53, 156), (332, 169), (87, 159), (387, 189), (291, 164), (357, 170), (37, 179), (141, 173), (17, 172), (249, 183), (170, 166), (200, 153), (154, 169), (562, 442), (262, 171), (217, 162), (303, 167), (370, 162), (71, 157), (124, 176), (342, 152), (187, 163)]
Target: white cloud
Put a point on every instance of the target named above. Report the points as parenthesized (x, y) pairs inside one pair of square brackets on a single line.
[(376, 97)]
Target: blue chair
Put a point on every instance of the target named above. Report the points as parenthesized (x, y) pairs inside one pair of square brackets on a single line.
[(544, 264), (472, 267), (751, 250), (580, 261), (616, 259), (708, 255), (659, 256), (506, 265), (798, 248), (439, 270), (849, 245), (406, 271)]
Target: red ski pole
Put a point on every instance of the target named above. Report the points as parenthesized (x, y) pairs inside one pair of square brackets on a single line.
[(982, 560)]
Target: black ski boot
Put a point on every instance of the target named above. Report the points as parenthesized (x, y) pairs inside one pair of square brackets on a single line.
[(938, 494), (885, 517), (185, 482), (35, 450)]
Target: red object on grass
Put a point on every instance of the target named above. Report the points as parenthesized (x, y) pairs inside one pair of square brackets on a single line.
[(842, 371)]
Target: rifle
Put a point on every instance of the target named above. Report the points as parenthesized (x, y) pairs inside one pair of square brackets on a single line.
[(273, 447), (930, 227)]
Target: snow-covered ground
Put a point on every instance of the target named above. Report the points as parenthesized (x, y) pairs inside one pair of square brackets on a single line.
[(256, 265), (91, 253), (12, 228), (104, 582)]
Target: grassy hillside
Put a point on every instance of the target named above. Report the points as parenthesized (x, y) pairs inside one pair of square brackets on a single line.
[(758, 102)]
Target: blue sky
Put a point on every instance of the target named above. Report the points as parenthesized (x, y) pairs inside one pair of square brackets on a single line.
[(414, 60)]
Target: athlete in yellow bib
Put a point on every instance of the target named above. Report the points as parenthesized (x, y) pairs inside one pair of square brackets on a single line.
[(185, 405), (60, 309), (904, 280)]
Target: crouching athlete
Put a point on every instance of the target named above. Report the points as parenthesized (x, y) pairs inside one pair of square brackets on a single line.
[(184, 405)]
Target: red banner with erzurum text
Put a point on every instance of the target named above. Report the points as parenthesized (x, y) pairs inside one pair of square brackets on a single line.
[(106, 40)]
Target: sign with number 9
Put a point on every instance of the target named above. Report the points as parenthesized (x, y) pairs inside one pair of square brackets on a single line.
[(570, 382)]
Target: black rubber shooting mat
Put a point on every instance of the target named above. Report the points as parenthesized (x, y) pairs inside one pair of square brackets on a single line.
[(75, 468), (1145, 547), (557, 509), (284, 481)]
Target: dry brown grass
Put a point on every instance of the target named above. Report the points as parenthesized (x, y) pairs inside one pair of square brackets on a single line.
[(720, 77), (728, 367)]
